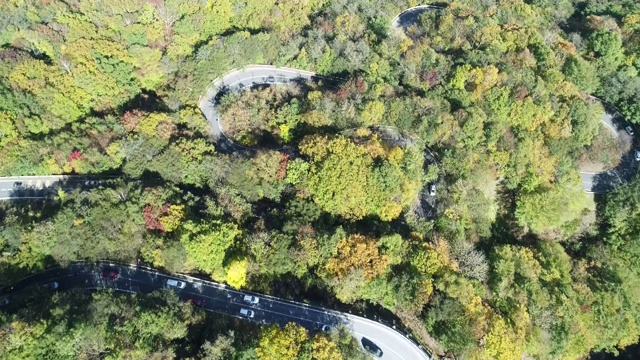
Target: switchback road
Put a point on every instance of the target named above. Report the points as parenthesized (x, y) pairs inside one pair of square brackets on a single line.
[(222, 299), (237, 80), (605, 181), (410, 16)]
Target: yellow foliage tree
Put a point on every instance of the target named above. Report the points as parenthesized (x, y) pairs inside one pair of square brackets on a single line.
[(277, 343), (237, 273), (172, 219), (358, 253), (503, 342), (325, 349)]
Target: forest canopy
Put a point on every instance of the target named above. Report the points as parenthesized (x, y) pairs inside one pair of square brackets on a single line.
[(436, 176)]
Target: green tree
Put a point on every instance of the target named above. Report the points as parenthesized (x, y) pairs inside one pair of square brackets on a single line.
[(207, 243), (608, 46), (552, 208), (345, 178), (582, 73)]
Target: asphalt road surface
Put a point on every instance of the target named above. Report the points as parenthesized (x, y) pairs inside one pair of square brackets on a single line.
[(222, 299), (39, 187), (410, 16), (605, 181)]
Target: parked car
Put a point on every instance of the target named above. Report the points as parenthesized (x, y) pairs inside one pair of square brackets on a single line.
[(176, 283), (250, 299), (629, 130), (432, 190), (637, 154), (108, 273), (371, 347), (197, 302), (51, 285), (4, 302), (247, 313), (326, 328)]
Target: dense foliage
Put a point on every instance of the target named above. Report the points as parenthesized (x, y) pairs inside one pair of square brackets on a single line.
[(105, 325), (492, 100)]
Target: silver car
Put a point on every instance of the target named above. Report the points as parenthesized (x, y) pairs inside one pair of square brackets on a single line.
[(176, 283), (248, 313), (250, 299)]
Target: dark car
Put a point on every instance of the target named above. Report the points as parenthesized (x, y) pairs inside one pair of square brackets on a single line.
[(17, 184), (51, 285), (371, 347), (112, 274), (197, 302), (629, 130)]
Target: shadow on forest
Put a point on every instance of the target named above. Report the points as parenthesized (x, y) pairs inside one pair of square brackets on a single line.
[(145, 101)]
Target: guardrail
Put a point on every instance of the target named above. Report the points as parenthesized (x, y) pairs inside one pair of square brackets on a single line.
[(192, 279)]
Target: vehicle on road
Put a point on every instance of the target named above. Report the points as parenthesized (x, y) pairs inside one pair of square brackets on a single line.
[(92, 182), (432, 190), (371, 347), (637, 154), (197, 302), (17, 184), (4, 302), (250, 299), (629, 130), (112, 274), (247, 313), (176, 283), (51, 285)]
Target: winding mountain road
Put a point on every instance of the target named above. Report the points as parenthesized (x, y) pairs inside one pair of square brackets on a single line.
[(607, 180), (222, 299), (410, 16), (237, 80)]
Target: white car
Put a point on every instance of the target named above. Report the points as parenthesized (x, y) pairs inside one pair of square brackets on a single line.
[(637, 154), (176, 283), (251, 299), (432, 190), (247, 313)]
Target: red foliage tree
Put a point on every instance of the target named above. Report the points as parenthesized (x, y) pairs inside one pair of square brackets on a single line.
[(151, 219), (75, 155)]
